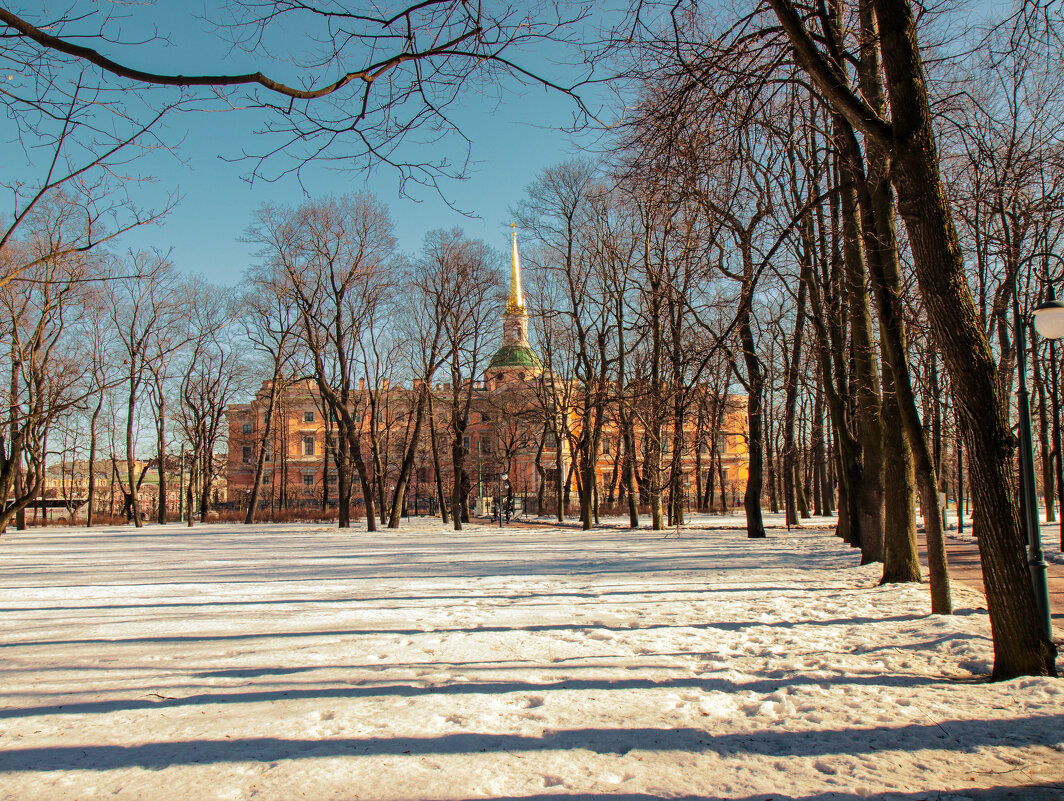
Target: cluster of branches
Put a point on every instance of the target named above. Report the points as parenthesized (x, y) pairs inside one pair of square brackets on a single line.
[(803, 133), (103, 355)]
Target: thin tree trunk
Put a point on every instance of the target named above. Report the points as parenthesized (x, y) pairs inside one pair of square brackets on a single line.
[(134, 503), (260, 459), (1043, 431), (161, 448), (789, 408), (866, 379), (437, 472), (90, 513), (403, 479)]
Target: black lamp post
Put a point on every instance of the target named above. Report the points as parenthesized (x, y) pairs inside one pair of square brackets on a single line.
[(502, 485), (1049, 322)]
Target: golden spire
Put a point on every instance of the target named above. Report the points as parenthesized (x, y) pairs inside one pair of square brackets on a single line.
[(515, 303)]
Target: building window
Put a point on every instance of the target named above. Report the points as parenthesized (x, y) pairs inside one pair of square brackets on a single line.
[(331, 478), (308, 446), (246, 428), (308, 479), (465, 442), (267, 478), (246, 453), (332, 415), (308, 417)]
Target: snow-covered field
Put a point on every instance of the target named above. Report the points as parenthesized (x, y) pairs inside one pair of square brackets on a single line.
[(287, 662)]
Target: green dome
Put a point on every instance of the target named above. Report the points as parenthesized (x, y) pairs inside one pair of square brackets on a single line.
[(514, 356)]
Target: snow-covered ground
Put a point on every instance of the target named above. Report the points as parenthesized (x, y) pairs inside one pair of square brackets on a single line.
[(286, 662)]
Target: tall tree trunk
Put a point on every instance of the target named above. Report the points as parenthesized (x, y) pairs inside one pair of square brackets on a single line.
[(866, 373), (364, 479), (900, 560), (876, 201), (260, 459), (630, 476), (134, 503), (458, 468), (769, 436), (343, 475), (1058, 453), (789, 407), (436, 465), (821, 501), (403, 479), (1043, 430), (161, 449), (90, 513), (959, 443), (190, 490), (755, 527), (846, 450)]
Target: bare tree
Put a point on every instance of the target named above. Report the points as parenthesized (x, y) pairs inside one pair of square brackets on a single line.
[(210, 379), (908, 138), (145, 306), (465, 297), (334, 255), (44, 358), (269, 323)]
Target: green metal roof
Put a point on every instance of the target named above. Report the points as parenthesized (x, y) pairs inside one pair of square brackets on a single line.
[(514, 356)]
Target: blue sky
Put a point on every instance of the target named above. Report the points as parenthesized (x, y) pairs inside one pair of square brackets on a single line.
[(511, 144), (512, 140)]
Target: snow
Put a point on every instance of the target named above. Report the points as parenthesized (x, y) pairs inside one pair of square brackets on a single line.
[(298, 661)]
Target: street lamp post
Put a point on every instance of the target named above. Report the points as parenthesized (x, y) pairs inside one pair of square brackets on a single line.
[(1049, 322), (503, 478)]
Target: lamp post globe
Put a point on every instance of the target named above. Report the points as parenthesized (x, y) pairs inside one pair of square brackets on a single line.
[(1049, 319)]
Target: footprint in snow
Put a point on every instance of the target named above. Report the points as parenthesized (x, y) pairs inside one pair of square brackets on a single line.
[(533, 701)]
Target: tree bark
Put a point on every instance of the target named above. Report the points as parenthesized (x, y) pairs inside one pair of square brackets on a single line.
[(866, 374), (789, 407), (402, 481)]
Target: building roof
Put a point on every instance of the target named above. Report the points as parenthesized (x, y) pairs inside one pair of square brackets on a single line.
[(514, 356)]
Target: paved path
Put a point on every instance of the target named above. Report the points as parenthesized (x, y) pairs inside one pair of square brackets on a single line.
[(964, 567)]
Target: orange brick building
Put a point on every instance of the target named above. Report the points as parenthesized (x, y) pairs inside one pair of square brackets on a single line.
[(508, 434)]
